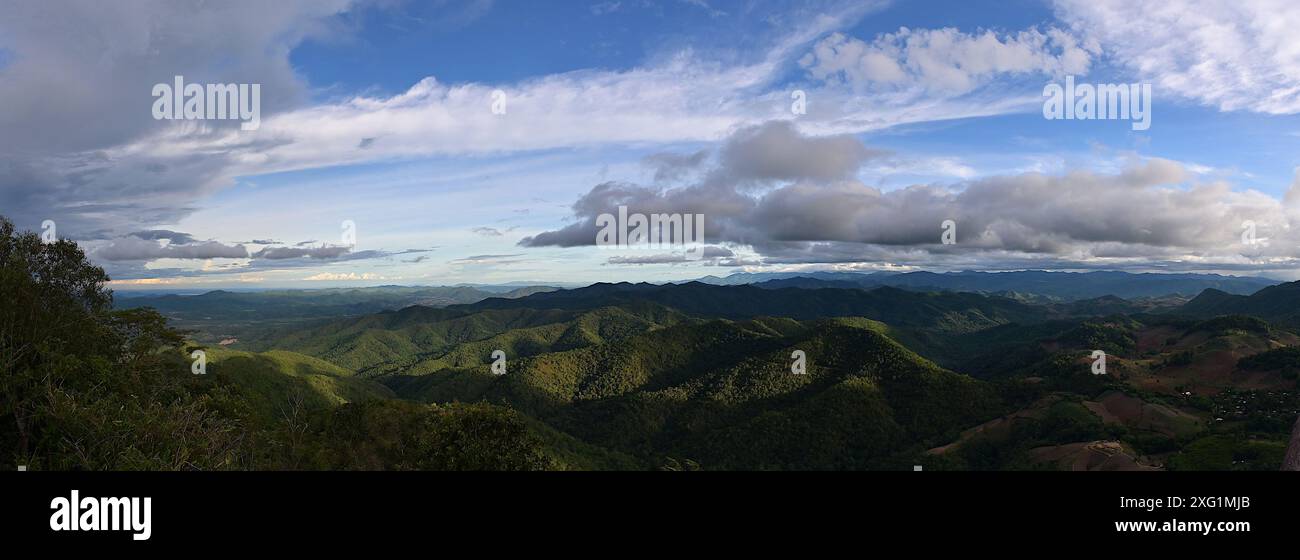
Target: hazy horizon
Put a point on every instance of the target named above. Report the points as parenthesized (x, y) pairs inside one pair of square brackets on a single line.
[(199, 289)]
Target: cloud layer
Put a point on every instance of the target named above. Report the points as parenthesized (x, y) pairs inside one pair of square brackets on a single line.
[(1238, 55), (92, 158), (946, 60), (77, 144), (1154, 211), (76, 90)]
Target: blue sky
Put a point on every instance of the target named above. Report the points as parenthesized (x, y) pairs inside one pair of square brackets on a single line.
[(378, 114)]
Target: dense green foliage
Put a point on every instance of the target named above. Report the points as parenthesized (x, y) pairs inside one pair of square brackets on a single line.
[(1287, 359), (1229, 324), (722, 394), (85, 387), (1227, 453), (396, 435)]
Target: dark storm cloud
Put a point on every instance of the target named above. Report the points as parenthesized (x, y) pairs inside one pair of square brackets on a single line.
[(161, 234), (282, 253), (74, 101), (777, 151)]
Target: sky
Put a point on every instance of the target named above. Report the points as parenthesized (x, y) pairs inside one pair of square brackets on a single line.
[(481, 141)]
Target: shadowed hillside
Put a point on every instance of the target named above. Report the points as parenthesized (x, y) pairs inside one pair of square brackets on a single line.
[(1279, 304), (902, 308), (722, 394)]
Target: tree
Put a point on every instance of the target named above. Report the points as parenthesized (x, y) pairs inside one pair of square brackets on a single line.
[(85, 387), (50, 294)]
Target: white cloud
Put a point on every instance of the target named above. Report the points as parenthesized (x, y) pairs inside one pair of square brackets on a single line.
[(80, 67), (349, 276), (1151, 211), (141, 172), (104, 172), (1228, 54), (944, 61), (685, 98), (138, 249), (1292, 197)]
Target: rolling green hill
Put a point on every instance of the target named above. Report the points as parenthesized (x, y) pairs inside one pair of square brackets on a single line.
[(419, 340), (269, 382), (696, 376), (954, 312), (248, 316), (1278, 304), (291, 304), (722, 394)]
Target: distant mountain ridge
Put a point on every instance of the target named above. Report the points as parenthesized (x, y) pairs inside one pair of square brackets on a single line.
[(638, 375), (1280, 304), (299, 304), (1066, 286), (944, 310)]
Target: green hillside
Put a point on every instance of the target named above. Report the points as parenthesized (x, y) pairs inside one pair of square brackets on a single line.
[(612, 376), (419, 340), (722, 394), (271, 382), (954, 312), (247, 317), (1278, 304)]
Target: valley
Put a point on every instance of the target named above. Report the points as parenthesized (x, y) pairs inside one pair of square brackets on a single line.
[(642, 376)]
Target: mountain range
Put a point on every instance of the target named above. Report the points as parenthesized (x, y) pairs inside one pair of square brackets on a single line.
[(1067, 286), (693, 375), (222, 315), (947, 371), (1280, 304)]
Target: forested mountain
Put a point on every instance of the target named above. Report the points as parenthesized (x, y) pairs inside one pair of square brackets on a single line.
[(642, 376), (220, 315), (1063, 286), (1280, 303), (420, 339), (722, 394), (949, 311), (664, 390)]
